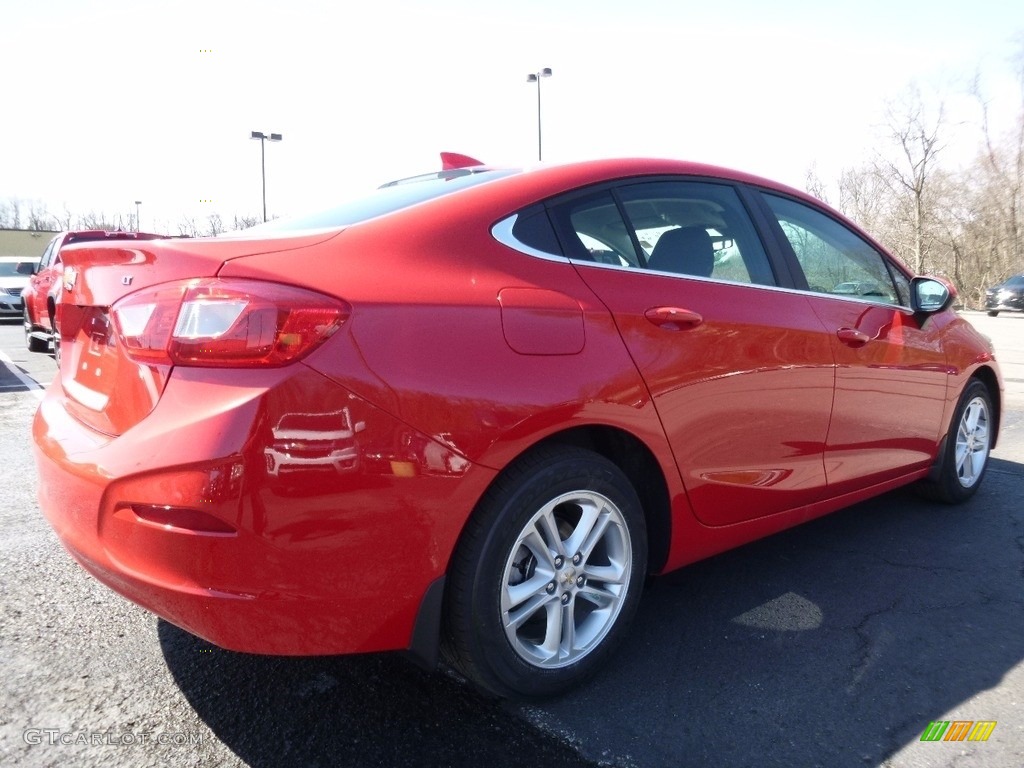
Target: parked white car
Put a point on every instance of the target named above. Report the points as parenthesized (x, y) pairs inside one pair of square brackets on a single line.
[(15, 272)]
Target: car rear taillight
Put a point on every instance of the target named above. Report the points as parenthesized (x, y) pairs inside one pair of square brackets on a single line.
[(215, 322)]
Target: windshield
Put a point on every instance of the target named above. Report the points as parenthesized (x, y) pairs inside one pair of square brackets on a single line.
[(387, 199), (16, 268)]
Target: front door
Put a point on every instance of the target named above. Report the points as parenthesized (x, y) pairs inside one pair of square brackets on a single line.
[(891, 368)]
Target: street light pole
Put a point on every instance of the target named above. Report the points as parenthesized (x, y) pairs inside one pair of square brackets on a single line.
[(137, 204), (535, 77), (263, 164)]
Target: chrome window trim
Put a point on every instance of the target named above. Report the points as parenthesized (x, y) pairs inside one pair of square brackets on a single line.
[(502, 232)]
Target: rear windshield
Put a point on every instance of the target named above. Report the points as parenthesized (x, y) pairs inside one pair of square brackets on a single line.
[(389, 198)]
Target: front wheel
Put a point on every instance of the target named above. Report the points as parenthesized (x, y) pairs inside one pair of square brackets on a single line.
[(547, 576), (993, 313), (967, 447)]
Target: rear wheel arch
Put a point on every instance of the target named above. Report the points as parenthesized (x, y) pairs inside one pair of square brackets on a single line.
[(538, 625), (628, 453), (638, 463)]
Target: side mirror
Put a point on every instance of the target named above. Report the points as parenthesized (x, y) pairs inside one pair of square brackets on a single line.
[(930, 295)]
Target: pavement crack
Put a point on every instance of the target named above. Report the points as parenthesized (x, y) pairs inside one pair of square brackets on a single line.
[(868, 645)]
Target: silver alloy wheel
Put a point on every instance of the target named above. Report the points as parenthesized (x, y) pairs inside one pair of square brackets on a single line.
[(566, 579), (972, 442)]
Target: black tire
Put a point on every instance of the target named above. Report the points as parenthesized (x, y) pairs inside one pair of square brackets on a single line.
[(34, 343), (595, 593), (54, 334), (993, 313), (966, 452)]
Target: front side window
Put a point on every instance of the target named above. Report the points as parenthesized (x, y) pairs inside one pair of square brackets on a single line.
[(834, 259)]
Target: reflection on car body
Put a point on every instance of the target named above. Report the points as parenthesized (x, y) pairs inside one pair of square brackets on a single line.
[(858, 288), (314, 441), (41, 296)]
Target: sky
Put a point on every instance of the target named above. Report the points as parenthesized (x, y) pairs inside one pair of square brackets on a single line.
[(109, 102)]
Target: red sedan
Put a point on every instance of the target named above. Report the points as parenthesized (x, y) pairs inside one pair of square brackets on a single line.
[(41, 295), (472, 412)]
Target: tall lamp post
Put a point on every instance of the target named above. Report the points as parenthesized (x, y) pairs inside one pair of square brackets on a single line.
[(535, 77), (263, 162), (137, 204)]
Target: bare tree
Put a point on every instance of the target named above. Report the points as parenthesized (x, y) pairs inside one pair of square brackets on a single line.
[(14, 213), (1003, 164), (64, 218), (863, 197), (38, 218), (94, 220), (216, 226), (813, 183), (916, 138), (188, 227), (244, 222)]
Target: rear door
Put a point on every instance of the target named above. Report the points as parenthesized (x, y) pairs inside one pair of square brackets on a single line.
[(891, 377), (740, 372)]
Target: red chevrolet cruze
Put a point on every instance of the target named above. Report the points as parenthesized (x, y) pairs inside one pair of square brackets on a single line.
[(471, 412)]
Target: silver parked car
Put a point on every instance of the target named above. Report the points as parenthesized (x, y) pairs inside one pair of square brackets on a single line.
[(14, 274)]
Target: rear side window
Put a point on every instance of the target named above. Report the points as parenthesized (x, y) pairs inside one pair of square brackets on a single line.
[(533, 228), (696, 228), (687, 228), (835, 259), (593, 230)]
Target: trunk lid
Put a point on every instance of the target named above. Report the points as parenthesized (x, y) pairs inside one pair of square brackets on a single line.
[(105, 388)]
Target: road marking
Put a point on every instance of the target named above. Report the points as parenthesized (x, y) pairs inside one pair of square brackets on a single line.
[(30, 384)]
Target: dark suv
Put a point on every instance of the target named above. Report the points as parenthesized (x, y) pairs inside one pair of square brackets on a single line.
[(1006, 297), (39, 299)]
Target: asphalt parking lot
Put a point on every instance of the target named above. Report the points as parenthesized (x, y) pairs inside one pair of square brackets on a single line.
[(833, 644)]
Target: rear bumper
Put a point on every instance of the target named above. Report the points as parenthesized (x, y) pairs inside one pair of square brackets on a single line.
[(299, 563)]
